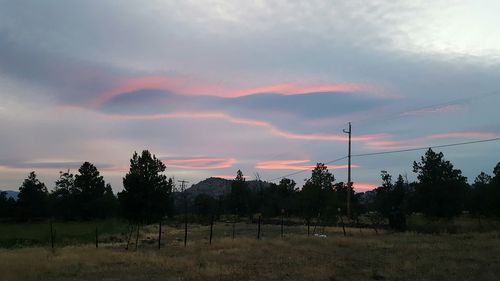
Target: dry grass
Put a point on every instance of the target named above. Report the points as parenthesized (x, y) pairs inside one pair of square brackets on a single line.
[(360, 256)]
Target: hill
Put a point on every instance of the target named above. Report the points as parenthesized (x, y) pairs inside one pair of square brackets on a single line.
[(11, 193), (216, 187)]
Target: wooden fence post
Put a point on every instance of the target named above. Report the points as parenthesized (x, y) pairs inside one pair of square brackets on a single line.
[(234, 226), (258, 229), (185, 230), (96, 238), (137, 237), (211, 229), (131, 229), (282, 212), (51, 236), (159, 236)]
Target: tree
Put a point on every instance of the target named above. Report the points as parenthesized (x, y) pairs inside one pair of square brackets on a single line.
[(317, 193), (93, 196), (146, 194), (62, 201), (391, 200), (32, 198), (239, 197), (441, 188), (6, 205)]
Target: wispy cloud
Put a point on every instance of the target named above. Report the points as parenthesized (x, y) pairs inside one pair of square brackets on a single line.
[(194, 87), (199, 163), (241, 121), (294, 165)]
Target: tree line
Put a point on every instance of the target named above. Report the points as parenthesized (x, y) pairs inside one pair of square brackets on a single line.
[(148, 195)]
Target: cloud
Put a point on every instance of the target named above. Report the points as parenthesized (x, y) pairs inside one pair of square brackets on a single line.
[(48, 165), (435, 109), (427, 140), (294, 165), (241, 121), (199, 163), (362, 186)]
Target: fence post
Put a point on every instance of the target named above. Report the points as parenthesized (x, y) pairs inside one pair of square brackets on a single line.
[(282, 212), (185, 230), (211, 229), (308, 226), (96, 238), (137, 237), (258, 229), (234, 226), (159, 236), (131, 229), (342, 221)]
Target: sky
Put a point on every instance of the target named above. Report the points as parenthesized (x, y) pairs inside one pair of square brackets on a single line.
[(267, 87)]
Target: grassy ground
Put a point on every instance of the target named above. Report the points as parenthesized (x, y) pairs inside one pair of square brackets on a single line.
[(16, 235), (362, 255)]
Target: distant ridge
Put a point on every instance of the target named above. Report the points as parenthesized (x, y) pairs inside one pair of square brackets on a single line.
[(216, 187), (11, 193)]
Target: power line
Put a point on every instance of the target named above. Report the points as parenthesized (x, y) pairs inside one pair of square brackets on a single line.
[(391, 152), (425, 147), (307, 169)]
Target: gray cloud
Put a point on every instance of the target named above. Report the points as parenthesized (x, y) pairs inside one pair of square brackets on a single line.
[(56, 54)]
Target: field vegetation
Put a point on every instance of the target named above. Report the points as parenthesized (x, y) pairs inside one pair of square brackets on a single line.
[(361, 255)]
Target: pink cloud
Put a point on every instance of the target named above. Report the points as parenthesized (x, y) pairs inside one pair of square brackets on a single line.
[(363, 186), (294, 165), (387, 144), (204, 163), (229, 177), (185, 86), (248, 122)]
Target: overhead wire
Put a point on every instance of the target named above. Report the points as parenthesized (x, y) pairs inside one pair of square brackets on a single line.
[(392, 152)]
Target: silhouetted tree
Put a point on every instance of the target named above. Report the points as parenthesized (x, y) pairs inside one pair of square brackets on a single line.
[(32, 198), (62, 202), (94, 197), (317, 192), (391, 200), (146, 193), (205, 206), (279, 197), (6, 205), (239, 197), (441, 188)]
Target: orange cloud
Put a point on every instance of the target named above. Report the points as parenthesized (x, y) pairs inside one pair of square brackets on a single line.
[(294, 165), (205, 163)]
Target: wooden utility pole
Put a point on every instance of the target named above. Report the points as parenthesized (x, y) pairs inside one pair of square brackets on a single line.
[(349, 183), (183, 185)]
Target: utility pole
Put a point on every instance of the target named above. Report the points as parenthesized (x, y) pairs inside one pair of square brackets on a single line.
[(349, 183), (183, 184)]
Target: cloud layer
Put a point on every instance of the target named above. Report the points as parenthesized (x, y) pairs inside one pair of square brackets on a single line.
[(216, 86)]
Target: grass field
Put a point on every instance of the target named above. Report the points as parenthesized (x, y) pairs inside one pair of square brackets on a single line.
[(16, 235), (362, 255)]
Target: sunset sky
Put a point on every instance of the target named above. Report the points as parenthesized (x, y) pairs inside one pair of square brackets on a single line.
[(267, 87)]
